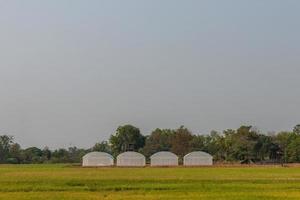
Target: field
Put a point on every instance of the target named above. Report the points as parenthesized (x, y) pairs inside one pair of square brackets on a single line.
[(68, 182)]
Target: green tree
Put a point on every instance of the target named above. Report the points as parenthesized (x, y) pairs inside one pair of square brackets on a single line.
[(198, 143), (46, 154), (243, 144), (33, 155), (5, 143), (102, 147), (15, 153), (75, 154), (181, 141), (293, 150), (262, 147), (159, 140), (60, 156), (297, 129), (126, 138), (283, 139), (216, 145), (229, 141)]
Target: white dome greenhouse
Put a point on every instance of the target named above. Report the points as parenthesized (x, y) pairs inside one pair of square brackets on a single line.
[(131, 159), (164, 158), (95, 159), (197, 158)]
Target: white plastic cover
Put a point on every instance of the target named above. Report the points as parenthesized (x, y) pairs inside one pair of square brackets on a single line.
[(94, 159), (197, 158), (164, 158), (131, 159)]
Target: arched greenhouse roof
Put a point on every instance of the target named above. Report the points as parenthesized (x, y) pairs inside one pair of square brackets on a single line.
[(164, 154)]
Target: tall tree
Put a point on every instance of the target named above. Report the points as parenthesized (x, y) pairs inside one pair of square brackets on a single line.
[(216, 145), (126, 138), (15, 155), (75, 154), (5, 142), (60, 156), (199, 143), (33, 155), (229, 141), (159, 140), (293, 150), (244, 142), (262, 148), (46, 154), (297, 129), (102, 147), (181, 141), (283, 139)]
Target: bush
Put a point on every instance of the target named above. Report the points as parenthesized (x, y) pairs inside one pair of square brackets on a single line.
[(12, 161)]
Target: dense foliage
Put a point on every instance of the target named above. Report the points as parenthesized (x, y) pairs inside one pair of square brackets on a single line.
[(244, 145)]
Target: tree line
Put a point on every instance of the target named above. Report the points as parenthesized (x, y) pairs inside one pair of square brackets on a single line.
[(243, 145)]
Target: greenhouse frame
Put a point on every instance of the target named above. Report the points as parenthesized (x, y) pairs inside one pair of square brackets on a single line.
[(96, 159), (131, 159), (164, 158), (197, 158)]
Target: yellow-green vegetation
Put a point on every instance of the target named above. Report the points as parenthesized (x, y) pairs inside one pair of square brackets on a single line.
[(67, 182)]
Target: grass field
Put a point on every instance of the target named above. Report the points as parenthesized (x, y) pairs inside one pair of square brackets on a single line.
[(67, 182)]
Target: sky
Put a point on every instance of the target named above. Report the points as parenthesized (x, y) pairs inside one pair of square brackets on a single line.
[(72, 71)]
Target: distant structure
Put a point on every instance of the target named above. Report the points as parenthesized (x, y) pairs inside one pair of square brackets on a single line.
[(131, 159), (97, 159), (164, 158), (197, 158)]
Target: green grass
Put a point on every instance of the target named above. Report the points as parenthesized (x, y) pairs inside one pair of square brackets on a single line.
[(66, 182)]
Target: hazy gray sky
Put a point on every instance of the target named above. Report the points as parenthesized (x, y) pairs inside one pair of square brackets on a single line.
[(72, 71)]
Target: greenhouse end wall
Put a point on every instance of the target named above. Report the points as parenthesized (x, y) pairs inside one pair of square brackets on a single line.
[(164, 158), (198, 158), (131, 159), (95, 159)]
